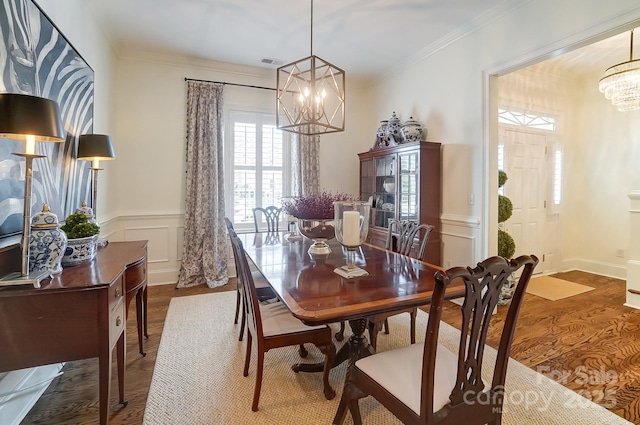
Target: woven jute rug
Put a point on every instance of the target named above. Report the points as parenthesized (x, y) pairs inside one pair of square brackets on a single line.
[(553, 289), (198, 377)]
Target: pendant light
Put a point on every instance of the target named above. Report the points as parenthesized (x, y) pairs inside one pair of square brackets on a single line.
[(310, 95), (621, 83)]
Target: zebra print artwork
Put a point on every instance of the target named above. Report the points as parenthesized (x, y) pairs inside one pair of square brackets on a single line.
[(36, 59)]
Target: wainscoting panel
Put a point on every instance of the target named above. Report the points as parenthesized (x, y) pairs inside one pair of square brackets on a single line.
[(460, 239), (158, 237)]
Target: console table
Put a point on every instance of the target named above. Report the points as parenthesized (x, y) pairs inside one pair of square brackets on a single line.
[(78, 314)]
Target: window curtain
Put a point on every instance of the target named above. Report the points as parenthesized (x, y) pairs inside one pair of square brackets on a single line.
[(305, 164), (204, 255)]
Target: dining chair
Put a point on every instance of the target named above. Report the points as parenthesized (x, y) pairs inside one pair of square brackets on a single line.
[(406, 238), (263, 288), (429, 384), (271, 217), (273, 326)]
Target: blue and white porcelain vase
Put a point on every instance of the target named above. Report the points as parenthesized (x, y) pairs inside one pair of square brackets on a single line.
[(80, 250), (413, 131), (87, 212), (394, 129), (47, 243)]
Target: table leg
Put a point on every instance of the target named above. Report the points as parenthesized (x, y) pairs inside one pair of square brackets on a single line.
[(360, 348), (144, 304), (356, 347), (121, 354), (140, 315), (104, 382)]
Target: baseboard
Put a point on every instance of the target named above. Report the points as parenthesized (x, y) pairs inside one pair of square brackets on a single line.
[(596, 267), (163, 277), (21, 389)]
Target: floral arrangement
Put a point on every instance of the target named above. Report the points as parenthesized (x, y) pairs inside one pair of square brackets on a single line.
[(318, 207), (78, 226)]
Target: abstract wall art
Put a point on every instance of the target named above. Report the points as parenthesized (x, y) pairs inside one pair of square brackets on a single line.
[(36, 59)]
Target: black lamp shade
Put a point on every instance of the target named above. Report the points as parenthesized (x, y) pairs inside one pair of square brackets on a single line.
[(22, 115), (95, 146)]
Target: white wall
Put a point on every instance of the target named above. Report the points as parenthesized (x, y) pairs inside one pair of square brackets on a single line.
[(447, 91)]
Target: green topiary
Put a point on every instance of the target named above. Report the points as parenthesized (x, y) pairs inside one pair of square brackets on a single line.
[(505, 208), (502, 178), (506, 245), (78, 226)]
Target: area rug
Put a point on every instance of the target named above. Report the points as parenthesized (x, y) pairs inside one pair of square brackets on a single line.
[(198, 377), (553, 289)]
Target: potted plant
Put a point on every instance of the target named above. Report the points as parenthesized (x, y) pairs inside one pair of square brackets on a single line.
[(314, 214), (506, 244), (82, 237)]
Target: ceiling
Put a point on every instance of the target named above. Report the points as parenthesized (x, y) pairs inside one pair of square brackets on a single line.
[(366, 38)]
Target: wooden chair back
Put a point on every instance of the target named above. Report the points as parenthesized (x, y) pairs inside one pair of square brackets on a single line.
[(271, 216), (471, 403), (403, 236)]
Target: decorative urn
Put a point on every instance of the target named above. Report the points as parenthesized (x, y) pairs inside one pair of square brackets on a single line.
[(394, 129), (86, 211), (47, 243), (412, 130)]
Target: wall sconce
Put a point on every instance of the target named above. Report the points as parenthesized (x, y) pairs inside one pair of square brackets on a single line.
[(33, 119), (95, 147)]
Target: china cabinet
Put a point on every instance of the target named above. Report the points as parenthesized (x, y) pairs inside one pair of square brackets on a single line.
[(403, 183)]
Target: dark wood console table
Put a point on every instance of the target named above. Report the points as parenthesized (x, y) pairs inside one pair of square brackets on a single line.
[(78, 314)]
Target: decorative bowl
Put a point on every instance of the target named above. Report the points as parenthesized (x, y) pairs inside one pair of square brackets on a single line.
[(319, 231), (80, 250), (389, 187)]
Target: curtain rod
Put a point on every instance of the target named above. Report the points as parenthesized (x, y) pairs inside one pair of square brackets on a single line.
[(229, 84)]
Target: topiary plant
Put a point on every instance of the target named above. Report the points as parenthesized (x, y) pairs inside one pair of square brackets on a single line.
[(506, 244), (78, 226)]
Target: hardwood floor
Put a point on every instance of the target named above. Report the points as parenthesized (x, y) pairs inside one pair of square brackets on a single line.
[(588, 337)]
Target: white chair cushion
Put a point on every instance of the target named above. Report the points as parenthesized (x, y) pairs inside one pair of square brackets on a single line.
[(278, 320), (399, 371)]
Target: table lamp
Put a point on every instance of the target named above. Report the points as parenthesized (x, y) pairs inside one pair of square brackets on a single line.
[(95, 147), (32, 119)]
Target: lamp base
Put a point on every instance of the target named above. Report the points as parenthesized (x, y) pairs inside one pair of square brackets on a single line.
[(34, 278)]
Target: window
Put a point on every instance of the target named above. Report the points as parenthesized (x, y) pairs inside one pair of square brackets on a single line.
[(523, 119), (258, 166)]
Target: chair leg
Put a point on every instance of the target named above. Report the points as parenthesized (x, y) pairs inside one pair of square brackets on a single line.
[(235, 320), (247, 355), (329, 351), (386, 326), (302, 351), (374, 328), (340, 333), (413, 313), (256, 391)]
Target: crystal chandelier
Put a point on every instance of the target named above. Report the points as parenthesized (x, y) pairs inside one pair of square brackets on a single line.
[(310, 95), (621, 83)]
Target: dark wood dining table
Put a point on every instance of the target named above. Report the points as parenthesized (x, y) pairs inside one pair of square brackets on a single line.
[(316, 295)]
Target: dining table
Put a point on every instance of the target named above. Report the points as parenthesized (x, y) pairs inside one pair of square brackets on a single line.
[(315, 294)]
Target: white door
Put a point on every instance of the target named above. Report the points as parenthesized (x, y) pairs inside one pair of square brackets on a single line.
[(526, 187)]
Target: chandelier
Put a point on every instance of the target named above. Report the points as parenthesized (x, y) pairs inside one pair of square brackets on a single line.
[(310, 95), (621, 83)]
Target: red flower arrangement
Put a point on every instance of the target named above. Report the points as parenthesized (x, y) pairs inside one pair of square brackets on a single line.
[(315, 207)]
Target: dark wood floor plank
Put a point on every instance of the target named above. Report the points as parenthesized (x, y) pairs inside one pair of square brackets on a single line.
[(593, 331)]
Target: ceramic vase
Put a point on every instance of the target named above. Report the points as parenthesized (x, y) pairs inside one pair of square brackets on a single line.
[(47, 243), (412, 131), (80, 250), (394, 129)]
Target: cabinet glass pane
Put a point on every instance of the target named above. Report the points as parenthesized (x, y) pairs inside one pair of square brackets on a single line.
[(408, 190), (384, 196), (366, 180)]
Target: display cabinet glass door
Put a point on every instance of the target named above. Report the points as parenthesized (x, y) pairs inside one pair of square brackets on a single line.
[(385, 191), (408, 190), (366, 181)]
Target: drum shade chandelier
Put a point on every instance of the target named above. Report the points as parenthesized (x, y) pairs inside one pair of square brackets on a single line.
[(310, 95), (32, 119), (621, 83)]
